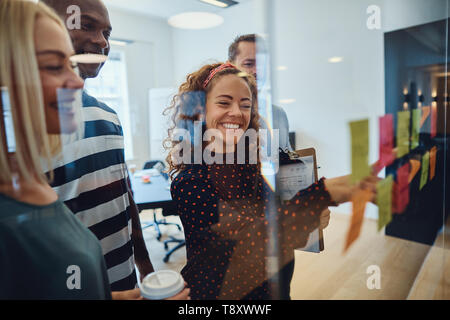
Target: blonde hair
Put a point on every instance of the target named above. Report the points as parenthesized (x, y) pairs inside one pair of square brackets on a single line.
[(19, 73)]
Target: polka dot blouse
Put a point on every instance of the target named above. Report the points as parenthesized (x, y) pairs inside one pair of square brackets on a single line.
[(229, 214)]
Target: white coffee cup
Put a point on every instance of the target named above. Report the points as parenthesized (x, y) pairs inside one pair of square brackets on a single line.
[(161, 285)]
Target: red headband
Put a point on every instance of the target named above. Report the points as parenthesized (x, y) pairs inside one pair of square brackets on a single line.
[(215, 71)]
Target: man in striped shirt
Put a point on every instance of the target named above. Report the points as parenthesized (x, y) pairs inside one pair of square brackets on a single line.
[(91, 175)]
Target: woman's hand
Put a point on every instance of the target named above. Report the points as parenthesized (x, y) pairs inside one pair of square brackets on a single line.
[(183, 295), (134, 294), (341, 189), (324, 219)]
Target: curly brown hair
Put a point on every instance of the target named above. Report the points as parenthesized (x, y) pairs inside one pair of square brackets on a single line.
[(189, 105)]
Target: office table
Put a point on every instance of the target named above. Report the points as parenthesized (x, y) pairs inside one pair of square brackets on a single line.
[(154, 195)]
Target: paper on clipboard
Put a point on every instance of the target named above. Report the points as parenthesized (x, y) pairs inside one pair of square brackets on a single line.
[(295, 177)]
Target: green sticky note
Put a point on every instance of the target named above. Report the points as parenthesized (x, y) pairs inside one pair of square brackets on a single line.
[(384, 201), (415, 130), (403, 119), (425, 166), (360, 149)]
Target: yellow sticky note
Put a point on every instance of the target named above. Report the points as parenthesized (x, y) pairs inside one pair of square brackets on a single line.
[(360, 149), (415, 130), (384, 201), (424, 173), (433, 153), (359, 201), (403, 118)]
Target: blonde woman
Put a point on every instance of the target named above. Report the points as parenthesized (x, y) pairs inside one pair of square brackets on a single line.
[(45, 252)]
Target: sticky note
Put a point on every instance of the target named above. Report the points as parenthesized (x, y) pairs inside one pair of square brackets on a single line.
[(415, 130), (401, 189), (425, 169), (403, 119), (360, 149), (425, 114), (386, 127), (415, 167), (433, 153), (359, 201), (384, 201), (433, 121)]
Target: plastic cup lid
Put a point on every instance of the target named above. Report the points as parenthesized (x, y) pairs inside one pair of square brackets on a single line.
[(161, 285)]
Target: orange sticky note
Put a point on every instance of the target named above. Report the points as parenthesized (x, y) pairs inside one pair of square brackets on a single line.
[(425, 114), (415, 167), (359, 201), (433, 153)]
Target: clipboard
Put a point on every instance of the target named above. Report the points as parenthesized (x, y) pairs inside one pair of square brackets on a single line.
[(305, 163)]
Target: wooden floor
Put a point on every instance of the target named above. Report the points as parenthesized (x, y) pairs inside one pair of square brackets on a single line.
[(433, 281), (409, 270), (333, 274)]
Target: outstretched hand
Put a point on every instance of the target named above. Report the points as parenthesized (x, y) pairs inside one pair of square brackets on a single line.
[(341, 189)]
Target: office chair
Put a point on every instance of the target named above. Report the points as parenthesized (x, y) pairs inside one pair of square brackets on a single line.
[(181, 243), (168, 211), (156, 223), (153, 163)]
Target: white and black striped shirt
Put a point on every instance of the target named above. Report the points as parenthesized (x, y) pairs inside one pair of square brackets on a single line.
[(92, 179)]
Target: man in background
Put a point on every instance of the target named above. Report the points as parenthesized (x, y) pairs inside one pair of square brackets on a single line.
[(242, 53), (93, 180)]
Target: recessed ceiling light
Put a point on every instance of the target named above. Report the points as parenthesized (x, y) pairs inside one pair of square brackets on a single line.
[(287, 101), (195, 20), (335, 59), (221, 3), (118, 43), (281, 68), (88, 58)]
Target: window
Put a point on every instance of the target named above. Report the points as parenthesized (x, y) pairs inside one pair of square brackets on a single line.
[(111, 87)]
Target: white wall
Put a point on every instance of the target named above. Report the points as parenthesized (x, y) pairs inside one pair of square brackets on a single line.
[(306, 34), (152, 30), (149, 65), (400, 14), (195, 48)]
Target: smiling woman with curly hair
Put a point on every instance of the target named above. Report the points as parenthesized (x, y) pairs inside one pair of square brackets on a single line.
[(225, 207)]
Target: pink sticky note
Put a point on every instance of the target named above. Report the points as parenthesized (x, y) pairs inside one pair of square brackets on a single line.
[(386, 140), (433, 121), (401, 189)]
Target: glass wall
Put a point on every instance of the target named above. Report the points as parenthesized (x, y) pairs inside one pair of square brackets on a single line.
[(384, 62), (300, 147), (349, 90)]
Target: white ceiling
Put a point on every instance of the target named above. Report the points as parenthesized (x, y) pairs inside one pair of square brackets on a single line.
[(164, 8)]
